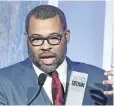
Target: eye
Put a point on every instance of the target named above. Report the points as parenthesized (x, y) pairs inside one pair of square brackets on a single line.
[(56, 37), (36, 38)]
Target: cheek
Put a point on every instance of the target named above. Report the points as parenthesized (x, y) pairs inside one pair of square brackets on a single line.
[(34, 50), (61, 49)]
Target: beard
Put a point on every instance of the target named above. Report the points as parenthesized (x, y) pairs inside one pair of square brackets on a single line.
[(40, 64)]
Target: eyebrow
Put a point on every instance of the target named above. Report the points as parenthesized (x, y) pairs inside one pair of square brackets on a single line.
[(48, 35), (54, 33)]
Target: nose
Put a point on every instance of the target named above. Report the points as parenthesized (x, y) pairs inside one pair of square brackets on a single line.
[(45, 46)]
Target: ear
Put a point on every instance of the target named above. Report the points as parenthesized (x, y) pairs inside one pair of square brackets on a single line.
[(25, 34), (68, 35)]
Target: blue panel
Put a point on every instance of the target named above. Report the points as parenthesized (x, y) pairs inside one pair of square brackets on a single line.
[(12, 28), (86, 21)]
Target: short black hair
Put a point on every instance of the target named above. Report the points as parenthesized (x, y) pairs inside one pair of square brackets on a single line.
[(44, 12)]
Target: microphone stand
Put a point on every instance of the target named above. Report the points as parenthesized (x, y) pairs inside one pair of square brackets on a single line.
[(41, 80), (34, 97)]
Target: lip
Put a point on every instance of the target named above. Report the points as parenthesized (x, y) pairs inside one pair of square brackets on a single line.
[(47, 56), (48, 60)]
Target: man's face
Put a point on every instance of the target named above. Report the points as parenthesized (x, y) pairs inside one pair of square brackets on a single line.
[(47, 57)]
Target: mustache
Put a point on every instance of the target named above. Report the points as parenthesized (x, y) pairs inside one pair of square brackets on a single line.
[(47, 54)]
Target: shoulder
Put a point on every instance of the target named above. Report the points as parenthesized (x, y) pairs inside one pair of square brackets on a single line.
[(82, 66), (11, 70), (87, 67), (91, 70)]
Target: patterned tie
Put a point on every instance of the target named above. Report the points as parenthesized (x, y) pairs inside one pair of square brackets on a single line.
[(57, 90)]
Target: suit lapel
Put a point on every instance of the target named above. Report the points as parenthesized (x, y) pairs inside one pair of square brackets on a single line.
[(68, 77), (30, 82), (68, 69), (71, 67)]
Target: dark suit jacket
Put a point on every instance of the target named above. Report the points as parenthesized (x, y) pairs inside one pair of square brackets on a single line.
[(19, 82)]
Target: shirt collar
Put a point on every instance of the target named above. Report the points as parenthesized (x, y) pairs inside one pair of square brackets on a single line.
[(62, 70)]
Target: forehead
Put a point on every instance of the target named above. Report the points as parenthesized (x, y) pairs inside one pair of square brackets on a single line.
[(45, 26)]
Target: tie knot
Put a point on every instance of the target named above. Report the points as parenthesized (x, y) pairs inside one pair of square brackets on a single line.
[(54, 74)]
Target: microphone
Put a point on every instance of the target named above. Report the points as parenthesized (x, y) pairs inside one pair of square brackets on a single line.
[(76, 89), (41, 80)]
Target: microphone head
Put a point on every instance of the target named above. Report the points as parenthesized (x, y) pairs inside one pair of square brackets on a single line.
[(41, 79)]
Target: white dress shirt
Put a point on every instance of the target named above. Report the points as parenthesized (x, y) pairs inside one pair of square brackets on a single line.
[(62, 72)]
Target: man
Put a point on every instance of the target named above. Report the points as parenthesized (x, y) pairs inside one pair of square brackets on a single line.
[(47, 38)]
